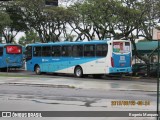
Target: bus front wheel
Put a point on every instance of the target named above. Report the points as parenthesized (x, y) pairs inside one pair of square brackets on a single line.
[(78, 72), (37, 70)]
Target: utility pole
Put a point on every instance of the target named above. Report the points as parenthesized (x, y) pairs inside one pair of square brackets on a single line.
[(158, 38)]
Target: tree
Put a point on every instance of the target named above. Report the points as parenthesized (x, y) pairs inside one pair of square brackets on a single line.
[(4, 20), (11, 30), (146, 13), (30, 37), (104, 18), (144, 22), (48, 22), (79, 21), (32, 12), (56, 23)]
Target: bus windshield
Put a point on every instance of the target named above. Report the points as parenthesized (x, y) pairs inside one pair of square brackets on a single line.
[(13, 49), (121, 47)]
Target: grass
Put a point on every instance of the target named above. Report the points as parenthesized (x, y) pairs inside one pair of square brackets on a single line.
[(14, 75)]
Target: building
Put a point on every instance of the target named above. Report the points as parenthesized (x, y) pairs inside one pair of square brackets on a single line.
[(148, 49)]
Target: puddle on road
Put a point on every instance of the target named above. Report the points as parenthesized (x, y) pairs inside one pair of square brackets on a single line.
[(38, 101), (38, 85), (115, 85), (86, 103), (152, 95)]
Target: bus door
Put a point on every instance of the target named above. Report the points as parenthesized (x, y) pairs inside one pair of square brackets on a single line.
[(28, 56), (1, 56), (46, 59), (66, 57), (121, 56), (56, 58)]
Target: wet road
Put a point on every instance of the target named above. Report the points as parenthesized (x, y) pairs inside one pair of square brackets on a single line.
[(66, 93)]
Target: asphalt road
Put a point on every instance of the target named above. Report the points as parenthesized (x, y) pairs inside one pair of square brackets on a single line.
[(29, 92)]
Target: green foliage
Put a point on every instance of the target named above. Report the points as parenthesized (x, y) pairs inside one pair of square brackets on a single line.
[(17, 23), (100, 18), (56, 19), (48, 22), (30, 37), (4, 20)]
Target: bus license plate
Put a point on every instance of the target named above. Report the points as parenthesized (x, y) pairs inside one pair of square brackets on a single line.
[(122, 64)]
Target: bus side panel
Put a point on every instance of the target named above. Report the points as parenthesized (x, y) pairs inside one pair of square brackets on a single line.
[(64, 65), (30, 64), (70, 64), (95, 67), (53, 64), (89, 66), (67, 65)]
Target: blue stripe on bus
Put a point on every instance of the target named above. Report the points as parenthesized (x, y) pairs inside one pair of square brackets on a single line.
[(53, 66), (120, 70)]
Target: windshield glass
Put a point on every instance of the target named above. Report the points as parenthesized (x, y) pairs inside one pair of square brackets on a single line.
[(121, 47)]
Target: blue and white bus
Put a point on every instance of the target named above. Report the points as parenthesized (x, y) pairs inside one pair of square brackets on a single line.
[(11, 56), (80, 58)]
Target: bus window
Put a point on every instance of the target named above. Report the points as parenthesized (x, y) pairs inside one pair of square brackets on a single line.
[(89, 50), (46, 51), (77, 51), (13, 49), (56, 51), (101, 50), (127, 47), (1, 51), (37, 51), (121, 47), (66, 51)]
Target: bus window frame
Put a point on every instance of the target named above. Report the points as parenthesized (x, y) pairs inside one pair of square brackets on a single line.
[(77, 55), (66, 52), (88, 54), (102, 51), (39, 54), (55, 53), (45, 53)]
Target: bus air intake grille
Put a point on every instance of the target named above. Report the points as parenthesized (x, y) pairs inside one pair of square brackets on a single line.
[(121, 70)]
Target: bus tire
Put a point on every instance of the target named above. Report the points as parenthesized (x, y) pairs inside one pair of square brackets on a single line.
[(37, 70), (78, 72)]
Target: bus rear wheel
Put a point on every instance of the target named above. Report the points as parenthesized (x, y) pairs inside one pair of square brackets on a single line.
[(78, 72), (37, 70)]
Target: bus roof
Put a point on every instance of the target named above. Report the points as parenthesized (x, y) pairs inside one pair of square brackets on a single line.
[(2, 45), (71, 43)]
